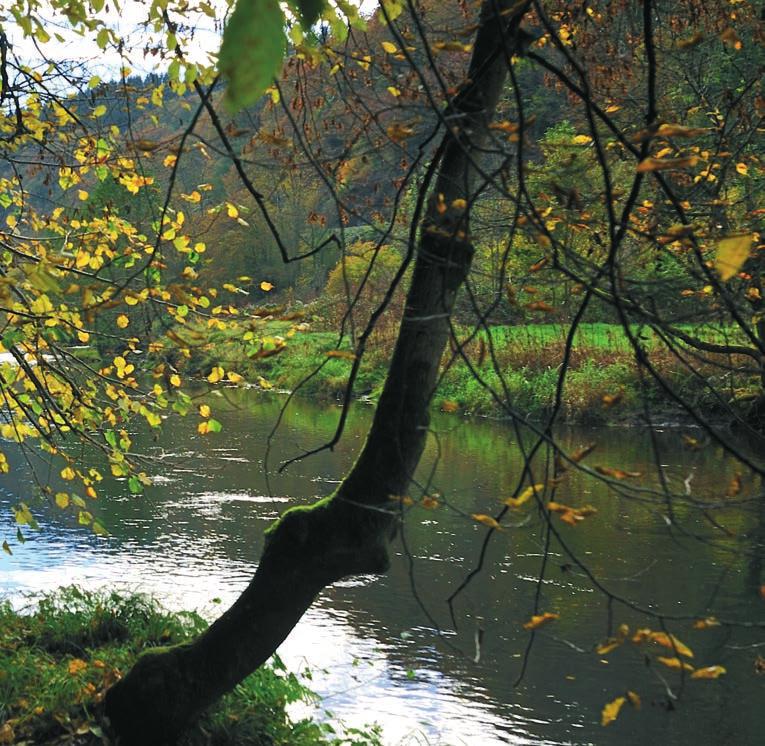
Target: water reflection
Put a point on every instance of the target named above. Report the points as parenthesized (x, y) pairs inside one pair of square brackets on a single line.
[(374, 653)]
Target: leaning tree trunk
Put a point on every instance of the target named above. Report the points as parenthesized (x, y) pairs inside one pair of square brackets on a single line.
[(348, 532)]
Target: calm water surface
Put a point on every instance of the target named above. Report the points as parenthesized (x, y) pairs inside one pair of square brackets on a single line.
[(374, 653)]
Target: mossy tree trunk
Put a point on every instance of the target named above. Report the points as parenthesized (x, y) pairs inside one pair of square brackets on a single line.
[(348, 532)]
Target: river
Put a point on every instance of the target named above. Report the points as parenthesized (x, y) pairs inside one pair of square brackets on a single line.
[(373, 652)]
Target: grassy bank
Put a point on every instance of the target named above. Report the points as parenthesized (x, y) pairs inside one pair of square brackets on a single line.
[(602, 385), (57, 661)]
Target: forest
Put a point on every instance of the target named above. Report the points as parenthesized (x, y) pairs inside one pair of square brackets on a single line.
[(408, 352)]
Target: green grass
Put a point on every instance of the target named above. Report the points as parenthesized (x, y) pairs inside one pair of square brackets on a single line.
[(57, 661), (602, 365)]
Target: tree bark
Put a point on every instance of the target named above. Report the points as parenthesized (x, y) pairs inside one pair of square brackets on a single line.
[(348, 532)]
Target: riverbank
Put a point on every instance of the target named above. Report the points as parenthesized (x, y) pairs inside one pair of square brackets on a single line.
[(602, 385), (58, 660)]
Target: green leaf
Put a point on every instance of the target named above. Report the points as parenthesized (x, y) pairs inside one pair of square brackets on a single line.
[(98, 529), (134, 484), (24, 516), (393, 9), (7, 548), (84, 518), (252, 51), (308, 11), (214, 426)]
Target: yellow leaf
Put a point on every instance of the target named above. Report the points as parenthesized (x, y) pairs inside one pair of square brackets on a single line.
[(403, 499), (122, 321), (82, 195), (608, 646), (7, 734), (582, 140), (41, 305), (175, 380), (231, 210), (732, 252), (67, 473), (487, 520), (539, 620), (710, 621), (671, 642), (710, 672), (449, 406), (76, 665), (634, 699), (525, 496), (234, 377), (204, 410), (266, 286), (611, 711), (62, 500), (674, 663), (742, 168), (389, 47), (452, 46), (216, 374), (394, 91)]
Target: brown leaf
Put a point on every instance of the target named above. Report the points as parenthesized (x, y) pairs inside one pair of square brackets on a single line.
[(608, 471), (759, 665), (584, 452), (665, 164), (341, 354), (540, 305), (690, 41), (146, 146), (678, 130), (734, 487)]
